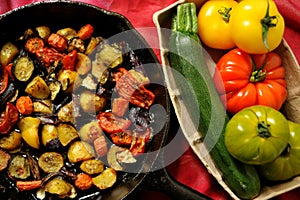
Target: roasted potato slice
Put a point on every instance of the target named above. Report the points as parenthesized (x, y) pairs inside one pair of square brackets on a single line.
[(29, 127), (92, 166), (68, 33), (49, 133), (106, 179), (80, 151), (66, 133), (19, 167), (8, 53), (60, 187), (11, 141), (83, 64), (70, 80), (51, 162), (90, 132), (43, 31), (38, 88), (91, 102)]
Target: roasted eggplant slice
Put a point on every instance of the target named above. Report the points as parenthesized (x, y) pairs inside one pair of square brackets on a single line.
[(80, 151), (38, 88), (23, 68), (60, 187), (66, 133), (19, 167), (4, 158), (11, 142)]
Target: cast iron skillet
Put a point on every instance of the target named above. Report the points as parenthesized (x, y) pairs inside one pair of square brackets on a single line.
[(62, 14)]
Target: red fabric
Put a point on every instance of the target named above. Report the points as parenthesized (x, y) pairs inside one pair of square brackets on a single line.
[(187, 169)]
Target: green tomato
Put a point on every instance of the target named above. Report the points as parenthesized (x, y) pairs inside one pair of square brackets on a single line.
[(287, 164), (257, 134)]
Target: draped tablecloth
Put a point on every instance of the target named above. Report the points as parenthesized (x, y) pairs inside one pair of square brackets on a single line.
[(187, 169)]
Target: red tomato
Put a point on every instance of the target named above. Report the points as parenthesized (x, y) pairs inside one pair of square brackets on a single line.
[(112, 124), (244, 80), (69, 60), (8, 118)]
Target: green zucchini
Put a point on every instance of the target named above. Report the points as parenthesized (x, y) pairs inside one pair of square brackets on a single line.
[(198, 93)]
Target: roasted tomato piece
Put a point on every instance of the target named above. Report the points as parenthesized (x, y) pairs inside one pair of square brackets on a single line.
[(3, 80), (138, 146), (47, 56), (8, 118), (130, 86), (119, 106), (58, 42), (111, 123), (69, 60), (122, 138)]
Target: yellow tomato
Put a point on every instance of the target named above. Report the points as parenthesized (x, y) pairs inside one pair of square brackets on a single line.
[(213, 23), (256, 26)]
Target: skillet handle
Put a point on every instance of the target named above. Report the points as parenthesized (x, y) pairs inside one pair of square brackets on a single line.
[(161, 181)]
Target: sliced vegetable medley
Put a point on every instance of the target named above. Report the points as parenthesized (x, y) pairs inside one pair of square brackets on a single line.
[(71, 102)]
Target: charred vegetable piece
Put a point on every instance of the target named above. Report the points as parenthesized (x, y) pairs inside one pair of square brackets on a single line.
[(110, 55), (23, 68), (69, 60), (92, 44), (60, 187), (48, 56), (90, 132), (92, 166), (49, 132), (106, 179), (66, 133), (28, 185), (100, 146), (112, 157), (43, 32), (38, 88), (24, 105), (85, 31), (123, 138), (76, 43), (67, 33), (138, 145), (29, 127), (112, 124), (66, 113), (54, 87), (11, 142), (51, 162), (83, 64), (4, 158), (80, 151), (43, 106), (58, 42), (91, 102), (19, 167), (34, 44), (8, 118), (119, 106), (83, 181), (69, 80), (4, 79), (8, 53)]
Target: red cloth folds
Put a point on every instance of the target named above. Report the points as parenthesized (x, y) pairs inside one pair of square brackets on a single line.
[(187, 169)]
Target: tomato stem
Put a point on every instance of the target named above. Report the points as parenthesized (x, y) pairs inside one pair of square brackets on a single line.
[(267, 22), (225, 13), (263, 130), (260, 74)]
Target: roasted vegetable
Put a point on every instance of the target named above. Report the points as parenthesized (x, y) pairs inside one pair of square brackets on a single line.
[(90, 132), (8, 118), (106, 179), (60, 187), (80, 151), (43, 32), (68, 33), (100, 146), (34, 44), (66, 133), (67, 113), (4, 158), (69, 80), (38, 88), (51, 162), (83, 64), (83, 181), (43, 106), (8, 53), (28, 185), (24, 105), (23, 68), (91, 102), (49, 133), (199, 93), (92, 166), (19, 167), (11, 141), (29, 127)]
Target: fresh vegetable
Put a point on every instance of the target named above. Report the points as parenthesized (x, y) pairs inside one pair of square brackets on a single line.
[(286, 165), (245, 80), (198, 89), (257, 135), (213, 24), (8, 118), (24, 105), (256, 27)]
